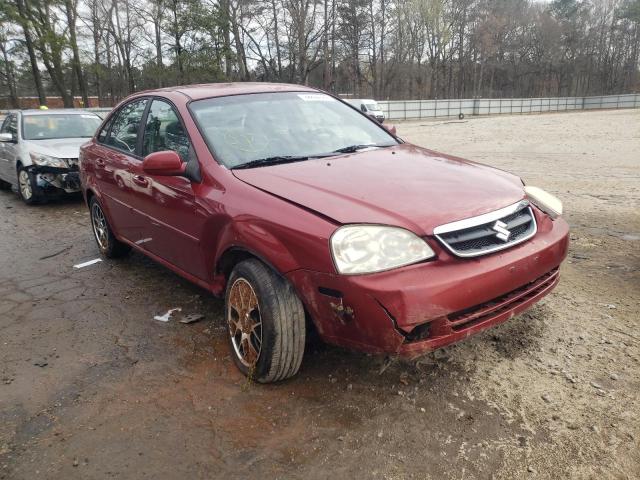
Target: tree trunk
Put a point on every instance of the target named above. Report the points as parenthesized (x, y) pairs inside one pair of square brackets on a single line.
[(11, 79), (33, 60), (177, 38), (71, 10), (97, 67), (276, 38), (240, 53), (326, 69), (157, 30)]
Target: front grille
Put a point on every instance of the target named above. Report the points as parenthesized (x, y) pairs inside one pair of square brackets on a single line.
[(73, 164), (490, 232)]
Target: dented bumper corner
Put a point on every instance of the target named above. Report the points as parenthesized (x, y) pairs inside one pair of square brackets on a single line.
[(48, 178), (422, 307)]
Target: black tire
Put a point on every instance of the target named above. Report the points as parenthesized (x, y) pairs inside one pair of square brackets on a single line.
[(28, 188), (461, 116), (282, 323), (108, 244)]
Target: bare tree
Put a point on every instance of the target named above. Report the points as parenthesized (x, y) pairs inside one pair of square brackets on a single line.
[(379, 48)]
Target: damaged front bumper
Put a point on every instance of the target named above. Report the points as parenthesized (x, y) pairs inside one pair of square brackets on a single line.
[(50, 178), (416, 309)]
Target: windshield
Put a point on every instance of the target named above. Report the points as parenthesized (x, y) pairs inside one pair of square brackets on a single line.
[(245, 128), (372, 106), (60, 125)]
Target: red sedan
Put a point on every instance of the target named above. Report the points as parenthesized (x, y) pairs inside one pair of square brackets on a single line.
[(305, 213)]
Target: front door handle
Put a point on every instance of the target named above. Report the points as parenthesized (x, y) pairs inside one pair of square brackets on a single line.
[(140, 180)]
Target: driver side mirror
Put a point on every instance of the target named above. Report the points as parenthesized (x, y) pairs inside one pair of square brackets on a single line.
[(7, 137), (391, 129), (166, 163)]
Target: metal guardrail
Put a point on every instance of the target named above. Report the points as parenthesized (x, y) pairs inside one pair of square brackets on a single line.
[(418, 109)]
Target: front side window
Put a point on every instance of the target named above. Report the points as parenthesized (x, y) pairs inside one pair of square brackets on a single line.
[(164, 131), (102, 136), (59, 125), (10, 125), (245, 128), (124, 129)]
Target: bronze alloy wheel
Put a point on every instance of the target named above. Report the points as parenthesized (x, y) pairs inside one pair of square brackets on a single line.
[(108, 244), (266, 322), (100, 227), (245, 322)]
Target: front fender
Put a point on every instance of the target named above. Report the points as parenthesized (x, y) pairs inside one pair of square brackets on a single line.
[(256, 240)]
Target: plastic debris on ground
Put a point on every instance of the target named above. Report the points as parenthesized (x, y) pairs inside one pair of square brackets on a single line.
[(167, 316), (86, 264), (192, 317)]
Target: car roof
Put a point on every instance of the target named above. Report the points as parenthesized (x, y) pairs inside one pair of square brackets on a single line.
[(209, 90), (57, 111)]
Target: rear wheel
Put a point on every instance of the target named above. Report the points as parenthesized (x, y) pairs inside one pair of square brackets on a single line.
[(28, 189), (266, 323), (108, 244)]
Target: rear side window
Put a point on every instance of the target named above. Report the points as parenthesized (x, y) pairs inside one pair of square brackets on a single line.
[(124, 128), (164, 131)]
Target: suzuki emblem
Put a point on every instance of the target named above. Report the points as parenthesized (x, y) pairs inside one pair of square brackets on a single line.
[(502, 232)]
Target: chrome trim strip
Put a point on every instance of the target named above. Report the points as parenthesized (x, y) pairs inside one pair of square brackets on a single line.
[(486, 218), (480, 219)]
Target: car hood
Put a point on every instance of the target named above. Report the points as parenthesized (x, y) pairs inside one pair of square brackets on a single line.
[(406, 186), (57, 147)]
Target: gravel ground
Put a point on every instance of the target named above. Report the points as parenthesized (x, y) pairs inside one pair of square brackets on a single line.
[(92, 387)]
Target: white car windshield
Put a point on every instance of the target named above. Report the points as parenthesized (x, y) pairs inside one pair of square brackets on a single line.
[(372, 106), (59, 125), (244, 129)]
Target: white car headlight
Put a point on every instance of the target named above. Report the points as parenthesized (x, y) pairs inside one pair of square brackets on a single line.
[(48, 161), (549, 204), (374, 248)]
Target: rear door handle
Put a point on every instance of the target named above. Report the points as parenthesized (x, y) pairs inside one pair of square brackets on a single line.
[(140, 180)]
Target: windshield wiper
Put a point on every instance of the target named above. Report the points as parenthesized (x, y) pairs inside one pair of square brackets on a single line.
[(277, 160), (355, 148), (280, 159)]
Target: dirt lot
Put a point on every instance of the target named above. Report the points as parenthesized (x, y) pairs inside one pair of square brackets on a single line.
[(92, 387)]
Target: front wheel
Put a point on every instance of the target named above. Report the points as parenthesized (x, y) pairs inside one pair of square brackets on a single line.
[(28, 189), (266, 323)]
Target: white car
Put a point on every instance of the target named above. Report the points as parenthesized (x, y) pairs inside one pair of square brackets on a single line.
[(39, 151), (368, 106)]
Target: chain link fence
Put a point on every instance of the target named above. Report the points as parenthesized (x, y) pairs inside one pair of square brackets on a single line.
[(418, 109)]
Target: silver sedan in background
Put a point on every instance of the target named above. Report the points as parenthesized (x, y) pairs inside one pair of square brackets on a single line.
[(39, 151)]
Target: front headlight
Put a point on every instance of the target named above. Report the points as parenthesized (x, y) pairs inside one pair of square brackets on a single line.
[(48, 161), (374, 248), (549, 204)]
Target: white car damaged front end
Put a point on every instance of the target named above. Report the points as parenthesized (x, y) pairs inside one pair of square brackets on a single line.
[(54, 163)]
